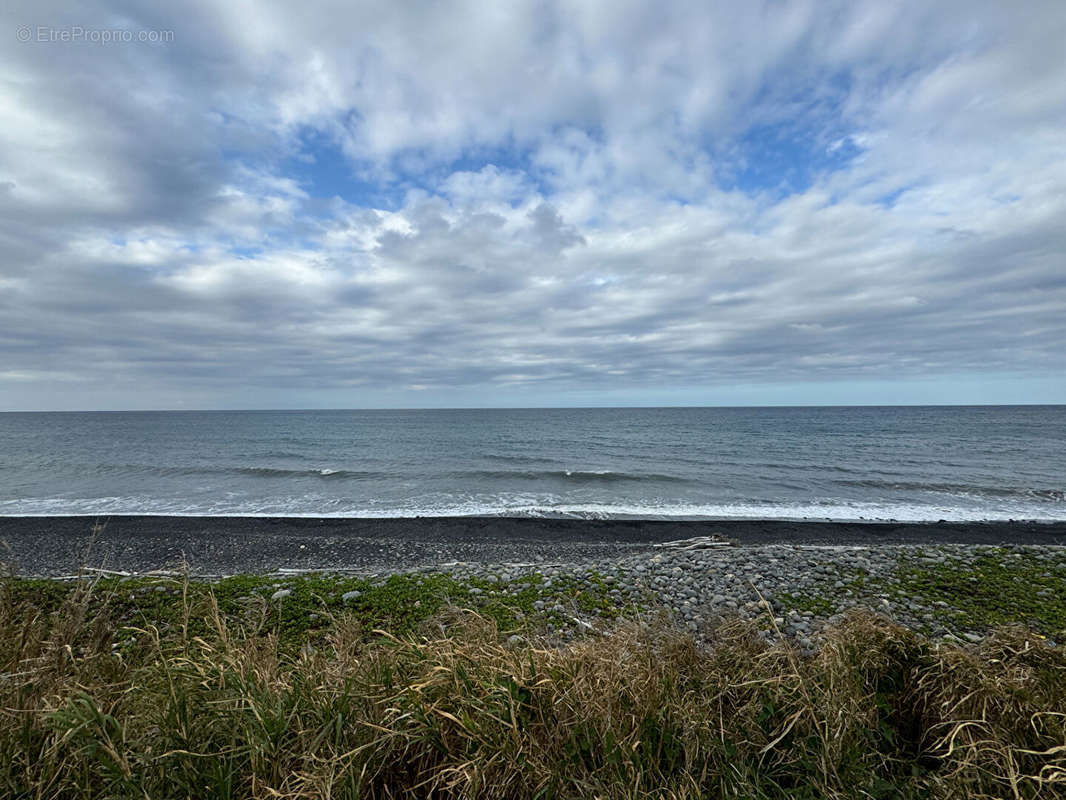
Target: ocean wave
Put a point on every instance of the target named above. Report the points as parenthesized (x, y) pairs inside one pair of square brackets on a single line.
[(255, 472), (281, 454), (571, 476), (1020, 492), (274, 472), (315, 506), (513, 459)]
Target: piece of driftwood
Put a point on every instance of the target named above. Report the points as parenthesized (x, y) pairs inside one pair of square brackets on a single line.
[(696, 543)]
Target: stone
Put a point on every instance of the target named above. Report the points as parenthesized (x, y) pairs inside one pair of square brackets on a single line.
[(348, 597), (280, 594)]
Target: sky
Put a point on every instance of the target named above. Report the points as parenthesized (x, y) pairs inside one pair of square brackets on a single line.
[(418, 204)]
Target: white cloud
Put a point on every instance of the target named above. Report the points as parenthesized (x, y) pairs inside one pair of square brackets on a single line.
[(566, 192)]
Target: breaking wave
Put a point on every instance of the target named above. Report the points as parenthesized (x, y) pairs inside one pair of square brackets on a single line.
[(1020, 492), (319, 506), (570, 476)]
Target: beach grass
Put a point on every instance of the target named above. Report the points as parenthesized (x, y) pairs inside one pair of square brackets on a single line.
[(171, 688)]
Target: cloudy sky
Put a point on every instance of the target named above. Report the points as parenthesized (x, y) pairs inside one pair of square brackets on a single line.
[(226, 205)]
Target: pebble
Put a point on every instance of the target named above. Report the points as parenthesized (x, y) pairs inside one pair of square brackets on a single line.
[(757, 582), (793, 590)]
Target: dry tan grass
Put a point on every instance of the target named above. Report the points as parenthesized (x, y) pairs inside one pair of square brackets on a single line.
[(459, 712)]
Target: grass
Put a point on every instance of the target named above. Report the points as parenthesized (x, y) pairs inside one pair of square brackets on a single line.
[(214, 690), (399, 603)]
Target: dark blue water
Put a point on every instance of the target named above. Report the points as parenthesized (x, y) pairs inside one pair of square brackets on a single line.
[(902, 463)]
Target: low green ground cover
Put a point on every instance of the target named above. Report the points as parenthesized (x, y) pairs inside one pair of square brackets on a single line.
[(309, 603), (997, 587), (972, 592)]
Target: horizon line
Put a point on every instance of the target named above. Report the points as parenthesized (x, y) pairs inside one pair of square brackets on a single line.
[(522, 408)]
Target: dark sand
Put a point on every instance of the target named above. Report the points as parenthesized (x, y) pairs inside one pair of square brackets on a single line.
[(226, 545)]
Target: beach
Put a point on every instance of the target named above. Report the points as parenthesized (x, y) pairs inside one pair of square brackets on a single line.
[(227, 545), (944, 579)]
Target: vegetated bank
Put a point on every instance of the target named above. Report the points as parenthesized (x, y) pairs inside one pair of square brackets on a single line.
[(692, 671)]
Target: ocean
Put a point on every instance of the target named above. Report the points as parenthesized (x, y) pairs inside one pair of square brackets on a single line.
[(841, 463)]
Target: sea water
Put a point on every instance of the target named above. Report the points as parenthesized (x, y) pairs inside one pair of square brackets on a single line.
[(878, 463)]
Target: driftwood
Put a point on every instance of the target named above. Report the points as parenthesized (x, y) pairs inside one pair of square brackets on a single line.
[(696, 543)]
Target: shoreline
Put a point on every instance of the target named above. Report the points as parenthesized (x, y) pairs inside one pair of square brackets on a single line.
[(48, 546)]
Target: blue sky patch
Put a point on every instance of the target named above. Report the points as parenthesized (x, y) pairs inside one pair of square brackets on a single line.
[(784, 158)]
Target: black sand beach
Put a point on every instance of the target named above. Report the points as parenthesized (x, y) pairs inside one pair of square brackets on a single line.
[(227, 545)]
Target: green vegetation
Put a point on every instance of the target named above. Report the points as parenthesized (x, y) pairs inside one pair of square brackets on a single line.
[(831, 595), (311, 603), (215, 690), (997, 587), (975, 592), (816, 604)]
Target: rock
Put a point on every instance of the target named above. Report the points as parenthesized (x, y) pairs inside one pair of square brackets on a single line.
[(280, 594), (348, 597)]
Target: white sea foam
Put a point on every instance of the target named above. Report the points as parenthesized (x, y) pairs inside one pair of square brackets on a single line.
[(314, 506)]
